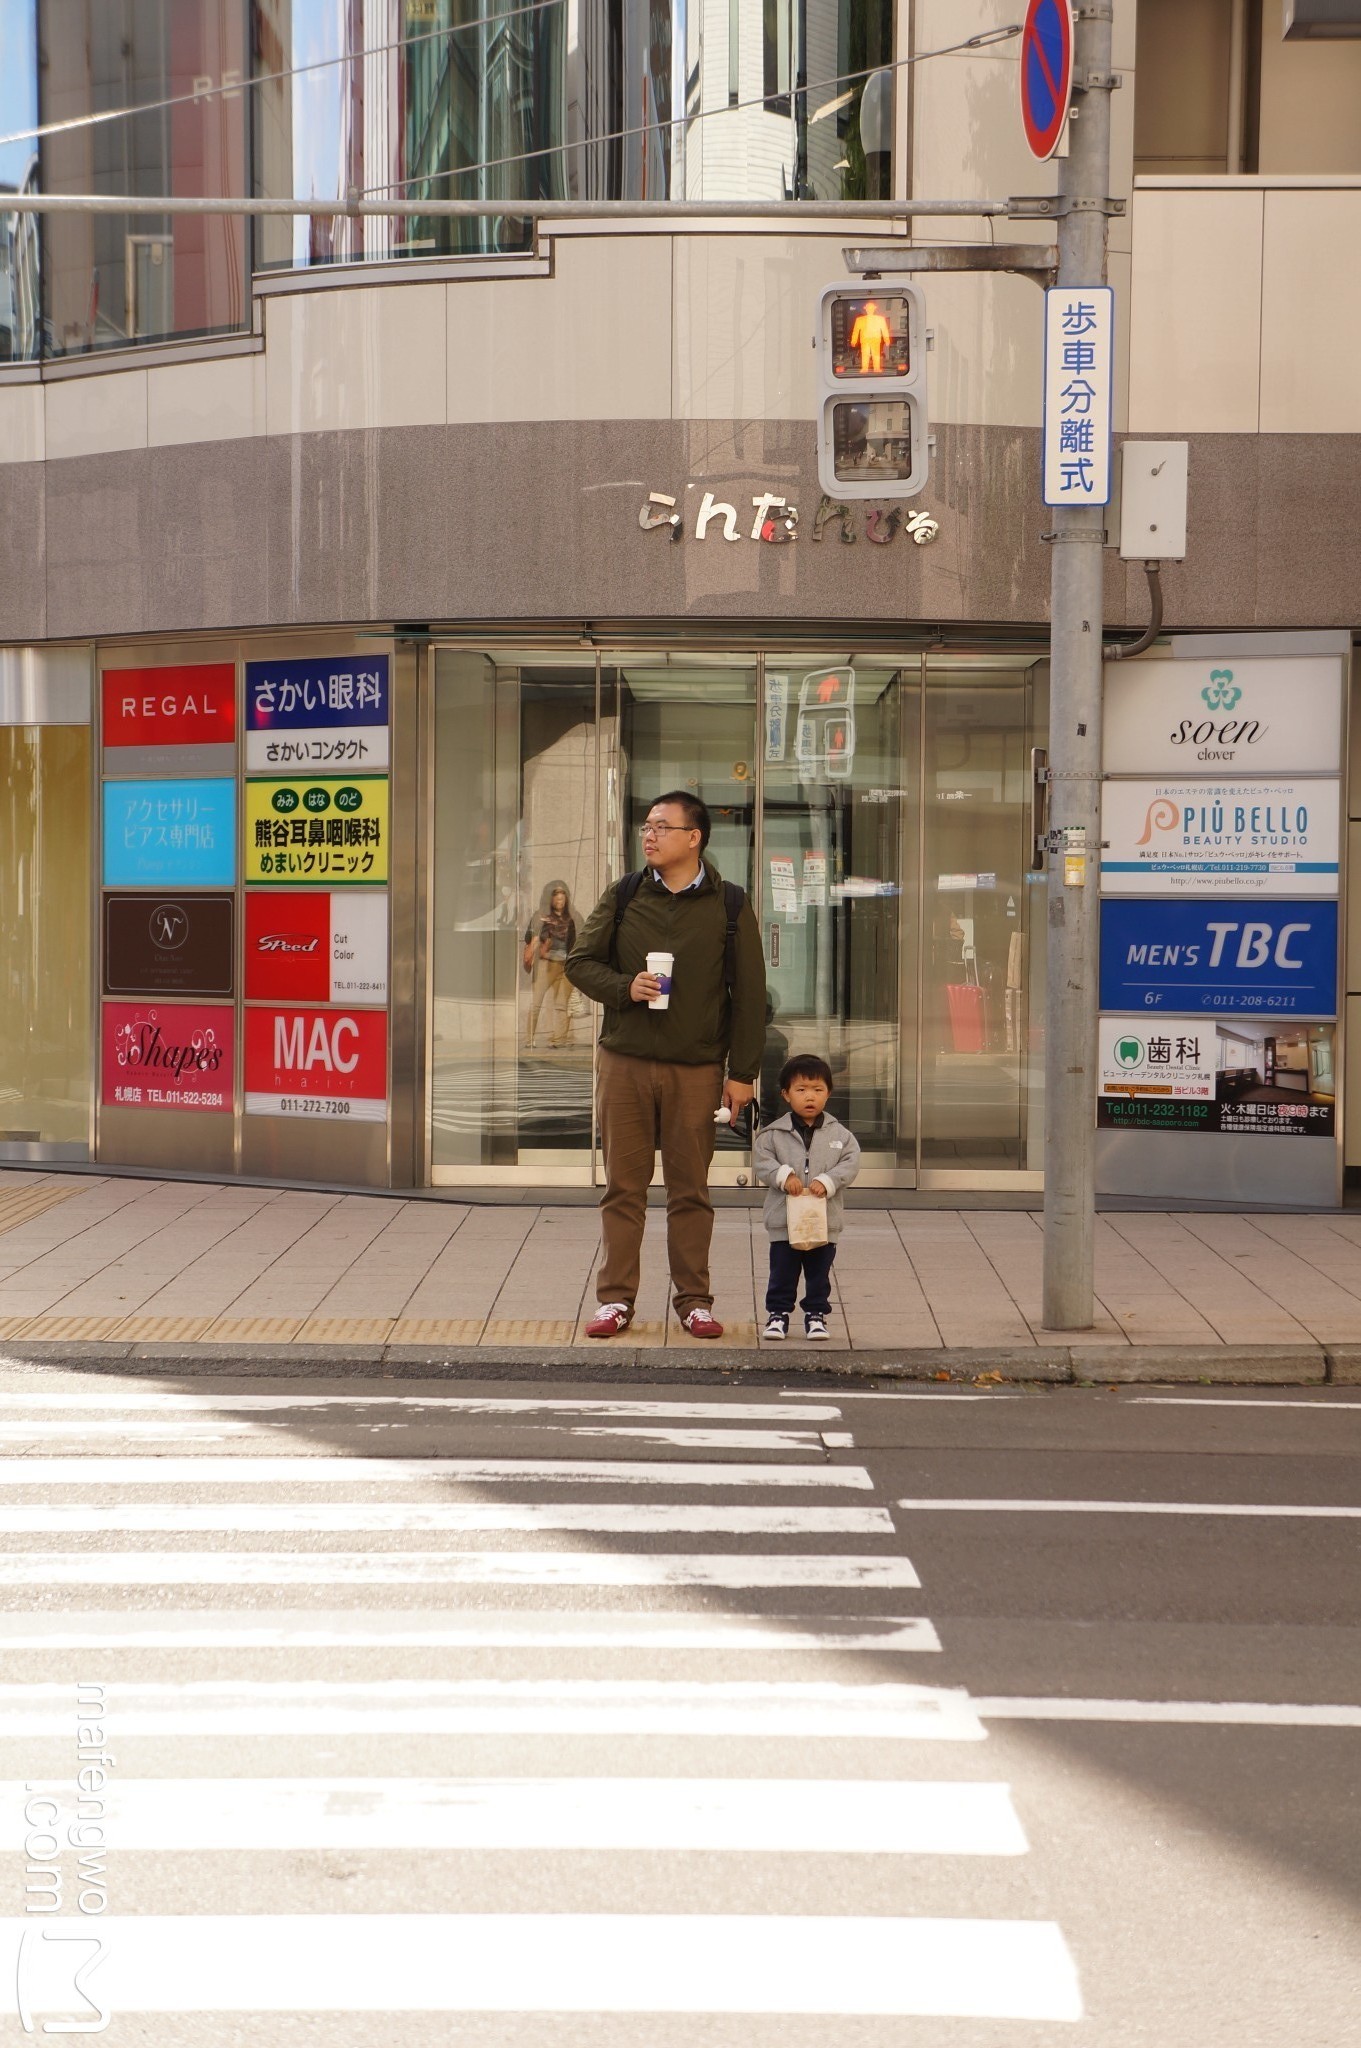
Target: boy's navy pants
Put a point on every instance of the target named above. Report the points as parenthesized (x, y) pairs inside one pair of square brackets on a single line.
[(785, 1267)]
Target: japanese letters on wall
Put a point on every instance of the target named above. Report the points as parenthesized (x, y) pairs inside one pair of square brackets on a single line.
[(288, 864), (1221, 817), (168, 854), (316, 870)]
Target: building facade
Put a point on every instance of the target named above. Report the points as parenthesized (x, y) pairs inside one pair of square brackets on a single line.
[(363, 577)]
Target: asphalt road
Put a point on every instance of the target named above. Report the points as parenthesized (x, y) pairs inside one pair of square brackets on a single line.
[(673, 1715)]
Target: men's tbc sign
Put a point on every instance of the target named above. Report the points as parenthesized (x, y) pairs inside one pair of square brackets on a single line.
[(1220, 955), (317, 1063)]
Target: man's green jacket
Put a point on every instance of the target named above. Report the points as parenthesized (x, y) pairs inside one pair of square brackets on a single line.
[(701, 1024)]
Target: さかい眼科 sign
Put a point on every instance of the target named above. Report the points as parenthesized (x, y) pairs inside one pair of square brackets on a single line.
[(318, 713)]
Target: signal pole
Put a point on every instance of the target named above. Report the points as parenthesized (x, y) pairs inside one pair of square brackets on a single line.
[(1075, 742)]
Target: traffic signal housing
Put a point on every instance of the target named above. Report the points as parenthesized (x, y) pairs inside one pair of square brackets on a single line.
[(872, 427)]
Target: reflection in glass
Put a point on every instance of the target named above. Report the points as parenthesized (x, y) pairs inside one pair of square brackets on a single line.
[(19, 310), (619, 99), (515, 870), (839, 826), (111, 279), (982, 970), (872, 440), (45, 1054), (685, 722)]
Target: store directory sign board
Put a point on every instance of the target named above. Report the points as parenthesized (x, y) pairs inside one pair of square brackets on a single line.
[(1276, 838), (168, 1056), (317, 829), (1204, 717), (190, 706), (316, 946), (1253, 1077), (168, 945), (170, 832), (316, 713), (1224, 954), (317, 1063)]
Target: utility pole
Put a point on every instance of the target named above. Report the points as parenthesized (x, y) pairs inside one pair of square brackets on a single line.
[(1075, 741)]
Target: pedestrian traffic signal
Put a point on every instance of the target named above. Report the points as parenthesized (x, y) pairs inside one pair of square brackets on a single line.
[(872, 391)]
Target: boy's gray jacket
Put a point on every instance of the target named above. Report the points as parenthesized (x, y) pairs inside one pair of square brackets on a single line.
[(833, 1158)]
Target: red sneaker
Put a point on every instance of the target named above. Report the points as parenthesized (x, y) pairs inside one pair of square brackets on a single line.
[(609, 1319), (700, 1323)]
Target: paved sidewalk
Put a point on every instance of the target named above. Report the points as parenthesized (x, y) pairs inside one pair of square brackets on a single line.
[(138, 1266)]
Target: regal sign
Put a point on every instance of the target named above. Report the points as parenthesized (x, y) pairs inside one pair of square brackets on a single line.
[(164, 707)]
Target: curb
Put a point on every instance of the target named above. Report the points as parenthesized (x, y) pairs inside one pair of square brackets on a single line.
[(1282, 1365)]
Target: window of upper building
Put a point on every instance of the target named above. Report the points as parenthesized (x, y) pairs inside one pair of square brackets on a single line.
[(505, 100), (1219, 90)]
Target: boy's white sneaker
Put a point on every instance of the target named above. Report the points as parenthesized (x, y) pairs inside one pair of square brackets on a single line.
[(776, 1329), (815, 1328)]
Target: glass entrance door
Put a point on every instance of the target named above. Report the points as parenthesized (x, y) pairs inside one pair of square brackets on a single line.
[(877, 812), (684, 722), (516, 859), (838, 902), (982, 961)]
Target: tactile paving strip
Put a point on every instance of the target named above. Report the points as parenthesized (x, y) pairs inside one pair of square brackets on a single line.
[(436, 1330), (71, 1329), (346, 1330), (165, 1329), (19, 1205), (255, 1330), (528, 1332)]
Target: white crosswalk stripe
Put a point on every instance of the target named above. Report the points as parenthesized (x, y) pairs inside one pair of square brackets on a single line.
[(662, 1711)]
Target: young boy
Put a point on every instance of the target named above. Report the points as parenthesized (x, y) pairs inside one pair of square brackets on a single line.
[(804, 1152)]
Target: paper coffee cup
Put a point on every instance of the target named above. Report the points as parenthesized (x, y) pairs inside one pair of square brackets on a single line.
[(661, 964)]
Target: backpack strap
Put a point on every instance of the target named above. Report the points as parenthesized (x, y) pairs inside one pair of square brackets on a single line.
[(627, 887), (733, 899)]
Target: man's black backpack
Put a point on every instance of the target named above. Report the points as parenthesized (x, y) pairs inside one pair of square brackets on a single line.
[(627, 888)]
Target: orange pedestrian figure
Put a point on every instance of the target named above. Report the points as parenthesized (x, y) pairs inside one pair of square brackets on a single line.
[(870, 334)]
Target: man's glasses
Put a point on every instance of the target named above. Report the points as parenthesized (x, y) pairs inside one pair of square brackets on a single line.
[(655, 831)]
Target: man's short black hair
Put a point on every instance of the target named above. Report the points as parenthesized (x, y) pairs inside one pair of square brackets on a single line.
[(804, 1066), (695, 813)]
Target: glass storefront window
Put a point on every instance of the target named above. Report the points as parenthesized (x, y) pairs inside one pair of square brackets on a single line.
[(878, 814), (982, 1062), (484, 99), (683, 722), (19, 312), (516, 864), (109, 280), (45, 1051), (838, 903)]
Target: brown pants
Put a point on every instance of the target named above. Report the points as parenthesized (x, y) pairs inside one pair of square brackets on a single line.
[(646, 1105)]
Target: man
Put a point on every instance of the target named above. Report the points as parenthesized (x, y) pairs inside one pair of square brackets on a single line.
[(661, 1072)]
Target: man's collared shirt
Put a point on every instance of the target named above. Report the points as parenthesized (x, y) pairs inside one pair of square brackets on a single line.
[(679, 892)]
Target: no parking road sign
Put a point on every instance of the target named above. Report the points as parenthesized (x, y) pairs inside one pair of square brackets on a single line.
[(1046, 73)]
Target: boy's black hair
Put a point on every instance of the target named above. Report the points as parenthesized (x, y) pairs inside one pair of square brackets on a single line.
[(808, 1065)]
